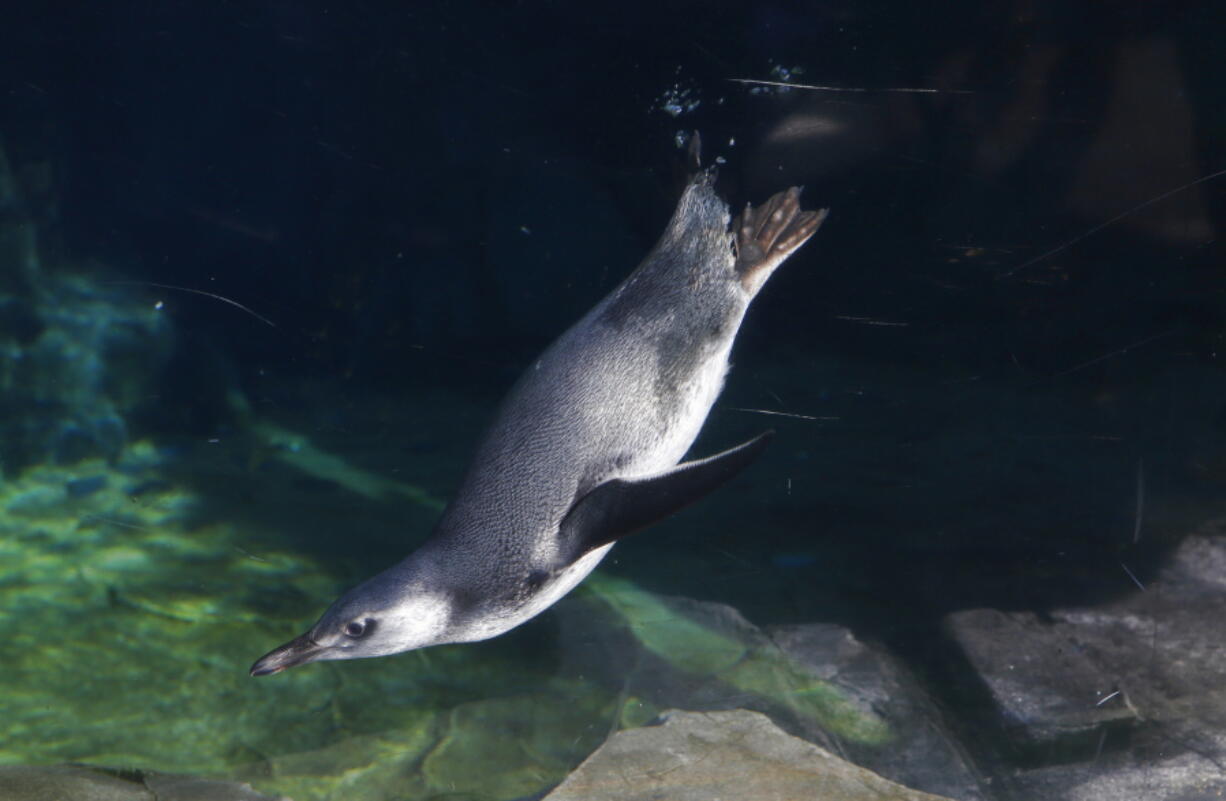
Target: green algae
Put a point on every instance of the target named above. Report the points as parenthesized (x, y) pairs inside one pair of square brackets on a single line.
[(683, 643), (131, 613), (746, 664), (770, 674), (128, 628), (363, 766), (299, 452), (519, 745), (636, 713)]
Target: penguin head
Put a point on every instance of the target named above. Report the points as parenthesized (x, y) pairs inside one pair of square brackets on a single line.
[(385, 615)]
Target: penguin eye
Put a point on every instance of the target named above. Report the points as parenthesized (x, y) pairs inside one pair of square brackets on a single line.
[(358, 628)]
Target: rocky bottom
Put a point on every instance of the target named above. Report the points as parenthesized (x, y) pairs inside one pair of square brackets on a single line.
[(138, 590)]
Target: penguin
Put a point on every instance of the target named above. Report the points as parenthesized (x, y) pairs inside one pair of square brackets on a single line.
[(587, 446)]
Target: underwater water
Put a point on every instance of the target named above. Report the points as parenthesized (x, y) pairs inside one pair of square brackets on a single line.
[(267, 270)]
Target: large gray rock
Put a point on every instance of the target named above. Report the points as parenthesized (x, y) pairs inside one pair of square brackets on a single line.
[(707, 756), (1171, 776), (1122, 700), (1044, 683)]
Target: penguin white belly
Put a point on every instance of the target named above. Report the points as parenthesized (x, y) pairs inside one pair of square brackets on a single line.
[(563, 582)]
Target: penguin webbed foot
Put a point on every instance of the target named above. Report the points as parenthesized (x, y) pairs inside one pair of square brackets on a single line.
[(766, 236)]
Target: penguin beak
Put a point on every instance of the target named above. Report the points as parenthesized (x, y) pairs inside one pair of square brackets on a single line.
[(297, 651)]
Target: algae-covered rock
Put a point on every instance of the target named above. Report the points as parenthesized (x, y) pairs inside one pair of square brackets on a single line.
[(922, 752), (193, 788), (353, 767), (683, 642), (129, 626), (56, 782), (83, 783), (134, 609), (817, 680), (514, 747), (707, 756), (493, 749), (771, 674), (718, 647)]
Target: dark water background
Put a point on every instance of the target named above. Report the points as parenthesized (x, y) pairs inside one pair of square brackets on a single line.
[(1009, 329)]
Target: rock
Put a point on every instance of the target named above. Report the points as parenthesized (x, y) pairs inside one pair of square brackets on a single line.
[(705, 756), (60, 782), (681, 652), (1044, 684), (523, 744), (1181, 777), (817, 681), (921, 753), (158, 612), (83, 783), (1121, 700), (190, 788), (365, 766)]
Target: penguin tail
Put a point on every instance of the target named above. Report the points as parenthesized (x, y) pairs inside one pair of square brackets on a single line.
[(702, 176), (766, 236)]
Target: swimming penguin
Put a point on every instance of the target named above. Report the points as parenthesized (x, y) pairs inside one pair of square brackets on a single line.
[(585, 448)]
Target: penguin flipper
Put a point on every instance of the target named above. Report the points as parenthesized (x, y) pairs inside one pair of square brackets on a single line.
[(620, 507)]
